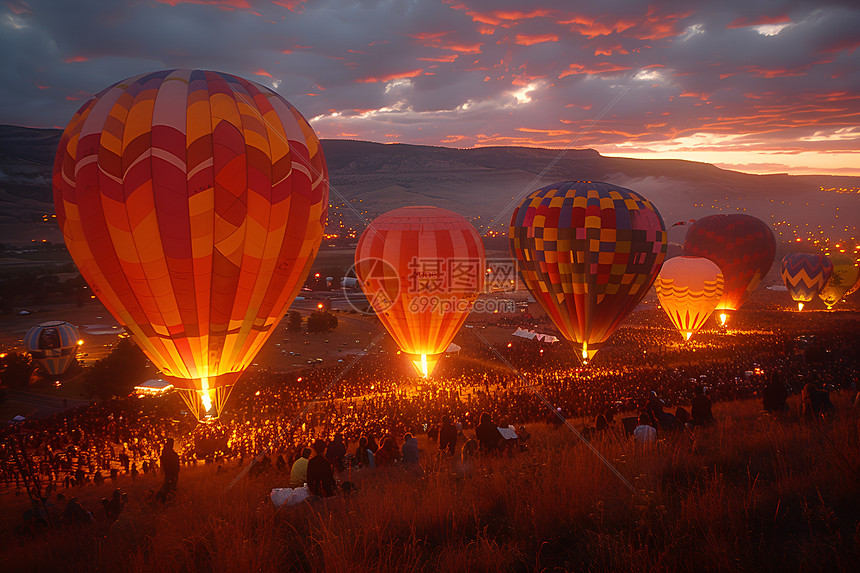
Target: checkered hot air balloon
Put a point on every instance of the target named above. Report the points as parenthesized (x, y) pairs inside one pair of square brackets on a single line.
[(193, 203), (53, 345), (588, 252), (421, 269), (741, 245), (845, 275), (689, 289), (804, 275)]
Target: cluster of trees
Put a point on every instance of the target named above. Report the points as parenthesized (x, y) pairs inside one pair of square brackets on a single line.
[(34, 287), (117, 375), (16, 369), (318, 321)]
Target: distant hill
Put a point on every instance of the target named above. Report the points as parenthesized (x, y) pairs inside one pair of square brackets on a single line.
[(483, 184)]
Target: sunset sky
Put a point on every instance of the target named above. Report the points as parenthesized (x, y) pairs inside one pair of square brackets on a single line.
[(758, 86)]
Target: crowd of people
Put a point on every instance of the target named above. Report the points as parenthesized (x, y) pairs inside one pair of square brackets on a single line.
[(371, 416)]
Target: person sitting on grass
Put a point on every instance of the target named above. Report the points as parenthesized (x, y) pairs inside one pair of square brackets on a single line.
[(299, 471), (411, 457), (487, 434), (363, 455), (388, 453), (644, 433), (320, 475)]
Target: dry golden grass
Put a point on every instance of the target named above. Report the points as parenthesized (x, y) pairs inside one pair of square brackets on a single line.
[(754, 493)]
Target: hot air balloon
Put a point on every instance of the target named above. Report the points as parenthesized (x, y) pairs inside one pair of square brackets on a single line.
[(853, 289), (741, 245), (588, 253), (53, 345), (804, 275), (689, 289), (193, 203), (422, 269), (845, 274)]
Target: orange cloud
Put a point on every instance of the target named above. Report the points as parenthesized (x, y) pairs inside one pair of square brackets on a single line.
[(429, 35), (502, 18), (601, 68), (529, 40), (291, 5), (547, 132), (590, 28), (658, 26), (262, 72), (388, 78), (447, 58), (19, 7), (74, 59), (744, 22)]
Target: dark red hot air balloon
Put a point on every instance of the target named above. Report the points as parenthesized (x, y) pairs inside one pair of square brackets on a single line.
[(741, 245)]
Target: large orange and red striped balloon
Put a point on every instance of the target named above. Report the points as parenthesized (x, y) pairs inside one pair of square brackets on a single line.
[(689, 289), (741, 245), (588, 252), (193, 203), (422, 269)]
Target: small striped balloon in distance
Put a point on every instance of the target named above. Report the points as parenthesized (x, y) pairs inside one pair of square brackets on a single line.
[(53, 345), (193, 202), (422, 269), (845, 275), (742, 246), (588, 252), (689, 289), (804, 275)]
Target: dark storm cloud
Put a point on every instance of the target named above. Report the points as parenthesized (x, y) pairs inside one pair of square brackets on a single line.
[(764, 76)]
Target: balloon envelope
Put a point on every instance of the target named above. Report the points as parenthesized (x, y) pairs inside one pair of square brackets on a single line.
[(53, 345), (588, 252), (804, 275), (193, 203), (845, 275), (741, 245), (422, 269), (689, 289)]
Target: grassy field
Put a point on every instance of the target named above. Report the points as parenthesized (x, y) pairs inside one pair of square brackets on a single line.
[(754, 493)]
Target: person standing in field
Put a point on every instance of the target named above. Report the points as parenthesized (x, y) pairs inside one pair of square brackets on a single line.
[(320, 475), (447, 436), (170, 468)]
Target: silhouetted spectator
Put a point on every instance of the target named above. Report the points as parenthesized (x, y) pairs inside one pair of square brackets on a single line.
[(170, 468), (335, 452), (320, 475), (775, 394), (487, 434), (701, 414), (363, 455), (447, 436)]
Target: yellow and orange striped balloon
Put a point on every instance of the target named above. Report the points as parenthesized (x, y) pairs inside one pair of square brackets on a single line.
[(193, 203), (422, 269), (689, 290)]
